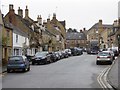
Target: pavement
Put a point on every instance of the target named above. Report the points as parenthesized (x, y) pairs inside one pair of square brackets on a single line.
[(4, 69), (114, 74)]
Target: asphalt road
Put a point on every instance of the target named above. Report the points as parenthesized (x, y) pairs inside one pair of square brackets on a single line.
[(73, 72)]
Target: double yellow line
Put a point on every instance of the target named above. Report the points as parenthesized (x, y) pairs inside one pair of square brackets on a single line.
[(102, 78)]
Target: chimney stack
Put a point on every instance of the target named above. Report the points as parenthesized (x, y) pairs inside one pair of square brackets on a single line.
[(26, 12), (84, 29), (81, 31), (11, 7), (39, 19), (20, 12), (54, 16), (100, 22), (115, 23)]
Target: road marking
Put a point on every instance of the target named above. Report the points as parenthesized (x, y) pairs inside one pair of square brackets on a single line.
[(99, 78), (102, 78)]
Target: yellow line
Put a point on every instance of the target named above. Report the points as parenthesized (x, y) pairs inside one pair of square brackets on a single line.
[(99, 78)]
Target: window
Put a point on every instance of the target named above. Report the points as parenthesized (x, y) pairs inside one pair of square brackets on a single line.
[(16, 38), (25, 40)]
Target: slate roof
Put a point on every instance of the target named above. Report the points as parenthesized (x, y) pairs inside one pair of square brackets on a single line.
[(107, 26), (95, 26), (63, 23), (75, 36)]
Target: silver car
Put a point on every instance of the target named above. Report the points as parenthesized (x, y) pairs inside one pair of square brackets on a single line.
[(104, 57)]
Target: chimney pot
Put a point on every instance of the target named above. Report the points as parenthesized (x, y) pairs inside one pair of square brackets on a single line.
[(20, 12), (11, 7)]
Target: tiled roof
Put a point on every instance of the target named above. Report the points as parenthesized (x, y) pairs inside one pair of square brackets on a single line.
[(75, 36)]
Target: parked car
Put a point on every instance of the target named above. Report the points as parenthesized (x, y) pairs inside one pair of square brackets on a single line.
[(103, 57), (65, 54), (88, 50), (41, 58), (76, 51), (61, 54), (68, 51), (29, 57), (112, 53), (116, 53), (80, 51), (18, 63), (53, 56), (57, 55)]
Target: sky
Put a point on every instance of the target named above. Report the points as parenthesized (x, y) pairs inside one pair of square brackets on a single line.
[(78, 14)]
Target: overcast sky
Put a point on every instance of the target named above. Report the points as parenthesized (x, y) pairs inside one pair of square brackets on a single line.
[(77, 13)]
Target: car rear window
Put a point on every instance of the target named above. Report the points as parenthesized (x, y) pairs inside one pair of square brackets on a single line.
[(104, 54)]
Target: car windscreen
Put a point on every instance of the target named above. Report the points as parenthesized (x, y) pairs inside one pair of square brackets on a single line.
[(15, 58), (41, 54)]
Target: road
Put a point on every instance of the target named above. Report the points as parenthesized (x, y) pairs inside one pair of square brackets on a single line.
[(73, 72)]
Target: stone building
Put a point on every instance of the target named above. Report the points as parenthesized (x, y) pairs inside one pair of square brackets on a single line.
[(76, 39), (58, 29), (24, 25), (7, 42), (1, 29), (99, 32)]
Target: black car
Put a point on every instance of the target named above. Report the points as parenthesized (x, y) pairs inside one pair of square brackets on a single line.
[(76, 51), (41, 58), (29, 57), (53, 56)]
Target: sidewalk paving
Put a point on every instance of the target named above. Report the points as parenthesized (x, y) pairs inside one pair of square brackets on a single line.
[(114, 74), (3, 69)]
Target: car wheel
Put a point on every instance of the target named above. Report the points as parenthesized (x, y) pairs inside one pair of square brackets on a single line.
[(8, 70), (28, 68), (25, 69), (97, 62), (110, 62), (33, 63)]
